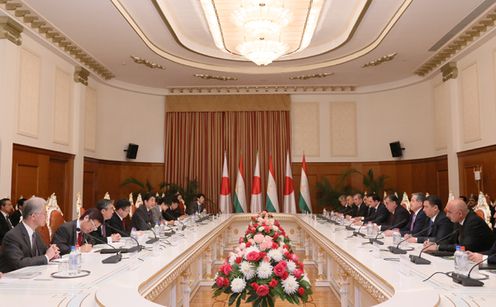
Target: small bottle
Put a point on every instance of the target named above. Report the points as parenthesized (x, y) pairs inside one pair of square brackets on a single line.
[(396, 236), (464, 262), (73, 262), (458, 259), (156, 229), (370, 229)]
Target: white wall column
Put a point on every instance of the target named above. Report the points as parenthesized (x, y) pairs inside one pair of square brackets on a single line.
[(453, 139)]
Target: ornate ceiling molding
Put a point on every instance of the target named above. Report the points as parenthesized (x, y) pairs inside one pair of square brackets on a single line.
[(459, 43), (381, 60), (261, 70), (312, 76), (35, 22), (11, 30), (261, 89), (81, 75), (210, 77), (147, 63)]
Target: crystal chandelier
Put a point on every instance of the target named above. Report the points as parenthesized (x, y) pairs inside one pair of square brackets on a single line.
[(261, 22)]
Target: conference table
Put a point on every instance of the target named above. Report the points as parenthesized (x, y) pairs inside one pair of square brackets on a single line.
[(171, 271)]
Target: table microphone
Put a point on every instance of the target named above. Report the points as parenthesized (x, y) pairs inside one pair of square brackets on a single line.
[(397, 250), (152, 240), (371, 241), (348, 227), (355, 233), (112, 259), (466, 280), (137, 248), (419, 260)]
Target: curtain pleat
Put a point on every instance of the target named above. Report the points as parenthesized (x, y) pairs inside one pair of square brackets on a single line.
[(195, 143)]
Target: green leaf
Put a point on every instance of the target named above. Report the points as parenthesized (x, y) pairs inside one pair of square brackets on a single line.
[(271, 301), (238, 301), (251, 298), (232, 298)]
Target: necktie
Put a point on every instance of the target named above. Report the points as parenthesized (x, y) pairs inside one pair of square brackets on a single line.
[(34, 246), (414, 216), (80, 238), (123, 225), (430, 227), (103, 231), (8, 222)]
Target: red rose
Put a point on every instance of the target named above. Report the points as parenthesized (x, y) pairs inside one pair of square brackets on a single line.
[(275, 236), (238, 260), (226, 269), (241, 239), (285, 275), (267, 229), (295, 258), (301, 291), (219, 281), (287, 255), (262, 290), (261, 255), (285, 246), (248, 244), (273, 283), (280, 269), (275, 245), (254, 285), (252, 256), (226, 282), (297, 273), (277, 224)]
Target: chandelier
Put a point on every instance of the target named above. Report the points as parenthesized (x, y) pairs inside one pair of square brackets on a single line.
[(261, 22)]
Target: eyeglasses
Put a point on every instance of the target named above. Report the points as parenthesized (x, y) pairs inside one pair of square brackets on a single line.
[(94, 226)]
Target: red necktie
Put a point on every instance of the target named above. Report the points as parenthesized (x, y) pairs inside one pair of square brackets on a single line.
[(80, 238)]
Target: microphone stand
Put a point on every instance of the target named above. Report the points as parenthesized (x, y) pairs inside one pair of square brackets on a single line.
[(397, 250), (112, 259), (419, 260), (371, 241), (355, 233), (154, 239), (468, 281), (137, 248)]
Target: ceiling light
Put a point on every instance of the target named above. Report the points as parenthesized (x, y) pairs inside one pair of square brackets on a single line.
[(262, 52)]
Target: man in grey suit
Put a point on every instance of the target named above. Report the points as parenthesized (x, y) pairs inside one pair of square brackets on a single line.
[(23, 246)]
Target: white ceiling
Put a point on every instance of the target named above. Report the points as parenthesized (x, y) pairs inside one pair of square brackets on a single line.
[(101, 29)]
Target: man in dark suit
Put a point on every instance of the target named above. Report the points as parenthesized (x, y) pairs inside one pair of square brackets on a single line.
[(118, 219), (489, 255), (380, 215), (143, 218), (399, 216), (23, 246), (361, 207), (370, 206), (73, 233), (418, 219), (106, 208), (473, 232), (438, 225), (6, 209), (196, 206), (15, 217)]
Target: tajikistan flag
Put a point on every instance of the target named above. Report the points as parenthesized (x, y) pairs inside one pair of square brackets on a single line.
[(225, 189), (271, 203), (304, 203), (239, 191), (289, 196), (256, 190)]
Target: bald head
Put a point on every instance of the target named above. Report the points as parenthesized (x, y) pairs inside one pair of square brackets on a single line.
[(456, 210)]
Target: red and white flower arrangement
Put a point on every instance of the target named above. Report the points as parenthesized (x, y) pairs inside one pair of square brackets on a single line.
[(263, 267)]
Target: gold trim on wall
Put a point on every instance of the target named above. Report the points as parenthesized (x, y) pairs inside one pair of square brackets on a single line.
[(381, 60), (221, 103), (269, 89), (11, 30), (312, 76), (81, 75), (211, 77), (147, 63), (30, 19), (462, 41)]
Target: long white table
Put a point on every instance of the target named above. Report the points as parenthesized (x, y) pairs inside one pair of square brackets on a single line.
[(170, 276)]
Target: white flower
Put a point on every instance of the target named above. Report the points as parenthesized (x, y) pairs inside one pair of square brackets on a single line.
[(290, 285), (247, 269), (242, 246), (232, 258), (264, 270), (291, 266), (238, 285), (275, 254), (260, 229), (275, 228)]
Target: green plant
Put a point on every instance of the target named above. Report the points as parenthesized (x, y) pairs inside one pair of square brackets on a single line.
[(374, 185), (169, 189), (327, 195)]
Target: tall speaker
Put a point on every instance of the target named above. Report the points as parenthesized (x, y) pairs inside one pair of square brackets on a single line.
[(396, 150), (131, 151)]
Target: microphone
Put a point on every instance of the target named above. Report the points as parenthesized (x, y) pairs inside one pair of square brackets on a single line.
[(355, 233), (152, 240), (397, 250), (137, 248), (348, 227), (466, 280), (371, 241), (419, 260), (112, 259)]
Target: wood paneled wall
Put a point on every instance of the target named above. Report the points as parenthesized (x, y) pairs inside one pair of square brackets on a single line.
[(484, 157), (42, 172), (101, 176), (419, 175)]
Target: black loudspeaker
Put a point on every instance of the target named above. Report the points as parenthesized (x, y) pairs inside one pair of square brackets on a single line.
[(131, 151), (396, 150)]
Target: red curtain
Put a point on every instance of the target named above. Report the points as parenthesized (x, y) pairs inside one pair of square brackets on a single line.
[(195, 143)]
